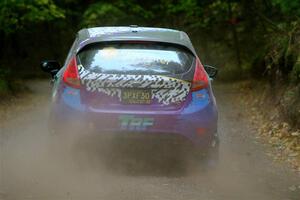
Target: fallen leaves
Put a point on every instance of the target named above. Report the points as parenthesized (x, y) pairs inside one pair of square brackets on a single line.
[(297, 133), (293, 154), (270, 128), (293, 188)]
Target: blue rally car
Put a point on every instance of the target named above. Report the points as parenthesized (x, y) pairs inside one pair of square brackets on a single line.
[(139, 80)]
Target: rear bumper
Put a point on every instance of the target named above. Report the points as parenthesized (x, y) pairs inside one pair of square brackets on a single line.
[(196, 123)]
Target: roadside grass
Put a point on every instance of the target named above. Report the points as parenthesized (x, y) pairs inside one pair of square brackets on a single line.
[(4, 90), (12, 88)]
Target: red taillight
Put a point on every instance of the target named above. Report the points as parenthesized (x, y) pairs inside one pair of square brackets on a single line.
[(200, 80), (71, 76)]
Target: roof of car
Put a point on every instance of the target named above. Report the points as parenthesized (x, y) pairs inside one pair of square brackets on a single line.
[(133, 33)]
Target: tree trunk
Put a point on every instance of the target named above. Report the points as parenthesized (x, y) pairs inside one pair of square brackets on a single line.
[(235, 38)]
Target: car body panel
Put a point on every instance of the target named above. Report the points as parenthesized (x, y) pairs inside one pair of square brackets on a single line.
[(164, 90), (193, 117)]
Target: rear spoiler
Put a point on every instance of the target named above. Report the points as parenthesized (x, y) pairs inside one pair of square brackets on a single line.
[(116, 38)]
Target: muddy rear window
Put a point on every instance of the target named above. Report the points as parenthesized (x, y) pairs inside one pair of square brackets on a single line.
[(136, 58)]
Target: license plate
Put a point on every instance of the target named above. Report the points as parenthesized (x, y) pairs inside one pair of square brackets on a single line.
[(136, 96)]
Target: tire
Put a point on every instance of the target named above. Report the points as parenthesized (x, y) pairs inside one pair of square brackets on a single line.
[(208, 159), (60, 139), (211, 159)]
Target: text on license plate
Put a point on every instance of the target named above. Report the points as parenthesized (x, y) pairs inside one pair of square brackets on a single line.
[(136, 96)]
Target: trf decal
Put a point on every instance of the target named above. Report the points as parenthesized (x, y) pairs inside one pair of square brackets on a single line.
[(130, 122)]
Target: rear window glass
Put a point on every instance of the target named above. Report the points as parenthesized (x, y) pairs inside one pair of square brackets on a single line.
[(136, 58)]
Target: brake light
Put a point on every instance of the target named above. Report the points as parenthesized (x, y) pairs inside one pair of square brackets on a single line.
[(71, 76), (200, 79)]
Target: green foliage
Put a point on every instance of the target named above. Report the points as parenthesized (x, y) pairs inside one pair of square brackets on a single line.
[(295, 75), (289, 7), (187, 8), (103, 14), (4, 87), (119, 13), (136, 10), (260, 36), (290, 104), (17, 14)]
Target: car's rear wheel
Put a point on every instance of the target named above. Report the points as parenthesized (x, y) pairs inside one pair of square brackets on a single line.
[(211, 159), (208, 159), (63, 136)]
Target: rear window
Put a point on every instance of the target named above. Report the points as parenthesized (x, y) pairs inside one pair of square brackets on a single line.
[(136, 58)]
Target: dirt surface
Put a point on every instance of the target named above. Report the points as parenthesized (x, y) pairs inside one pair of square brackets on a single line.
[(34, 166)]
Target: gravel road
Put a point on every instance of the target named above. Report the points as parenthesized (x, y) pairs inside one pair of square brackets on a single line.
[(35, 167)]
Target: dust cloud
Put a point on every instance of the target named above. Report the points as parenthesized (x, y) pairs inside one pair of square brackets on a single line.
[(37, 164)]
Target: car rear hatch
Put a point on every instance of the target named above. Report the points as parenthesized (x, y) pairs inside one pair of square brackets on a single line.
[(135, 76)]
